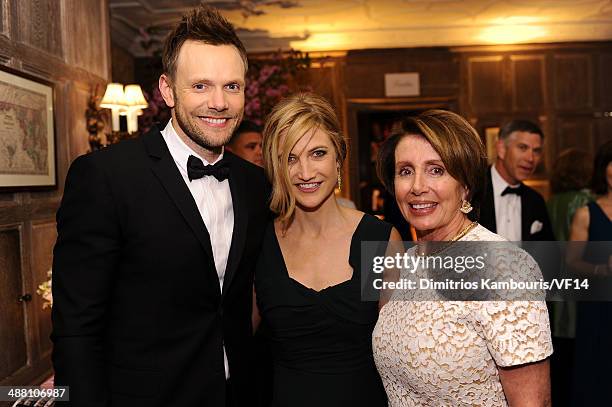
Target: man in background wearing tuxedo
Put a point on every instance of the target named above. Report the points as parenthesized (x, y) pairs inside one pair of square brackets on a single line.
[(511, 208), (152, 272), (246, 142)]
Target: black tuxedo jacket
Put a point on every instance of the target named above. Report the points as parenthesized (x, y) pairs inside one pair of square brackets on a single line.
[(533, 208), (139, 318)]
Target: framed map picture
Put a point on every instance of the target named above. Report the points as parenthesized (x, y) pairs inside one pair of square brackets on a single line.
[(27, 141)]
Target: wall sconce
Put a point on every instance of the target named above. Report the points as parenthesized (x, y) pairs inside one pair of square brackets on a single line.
[(128, 101), (133, 103), (113, 99)]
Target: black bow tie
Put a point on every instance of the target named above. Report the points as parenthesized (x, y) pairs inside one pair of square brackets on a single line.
[(513, 190), (196, 169)]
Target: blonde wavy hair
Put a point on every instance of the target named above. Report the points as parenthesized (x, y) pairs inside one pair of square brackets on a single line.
[(291, 119)]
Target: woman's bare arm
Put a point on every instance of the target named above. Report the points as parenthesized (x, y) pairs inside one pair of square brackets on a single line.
[(395, 245), (527, 385)]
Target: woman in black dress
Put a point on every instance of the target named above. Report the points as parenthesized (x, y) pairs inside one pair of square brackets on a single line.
[(593, 223), (307, 280)]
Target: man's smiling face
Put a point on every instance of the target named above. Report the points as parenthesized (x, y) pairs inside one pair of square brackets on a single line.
[(207, 93)]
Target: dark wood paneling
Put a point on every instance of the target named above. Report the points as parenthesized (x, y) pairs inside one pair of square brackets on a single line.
[(528, 82), (64, 42), (40, 24), (605, 74), (87, 30), (44, 235), (573, 81), (365, 71), (367, 81), (604, 133), (13, 340), (486, 84), (122, 65), (575, 131), (4, 29)]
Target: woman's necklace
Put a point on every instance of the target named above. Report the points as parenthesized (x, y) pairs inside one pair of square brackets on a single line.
[(453, 240)]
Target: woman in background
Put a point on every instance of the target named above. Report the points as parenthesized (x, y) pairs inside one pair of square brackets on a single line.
[(455, 353), (569, 182), (593, 353), (307, 280)]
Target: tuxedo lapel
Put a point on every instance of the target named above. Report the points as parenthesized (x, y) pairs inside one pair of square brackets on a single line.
[(487, 209), (237, 183), (165, 170)]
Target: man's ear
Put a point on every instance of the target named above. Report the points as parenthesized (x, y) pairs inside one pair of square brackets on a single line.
[(165, 88), (500, 149)]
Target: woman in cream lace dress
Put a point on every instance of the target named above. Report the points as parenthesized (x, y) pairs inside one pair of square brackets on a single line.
[(436, 352)]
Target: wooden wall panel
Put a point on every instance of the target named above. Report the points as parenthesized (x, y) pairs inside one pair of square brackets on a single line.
[(39, 25), (528, 82), (44, 40), (122, 66), (575, 131), (367, 81), (573, 81), (4, 29), (79, 143), (605, 74), (44, 235), (86, 35), (486, 84), (13, 340), (604, 131), (365, 71)]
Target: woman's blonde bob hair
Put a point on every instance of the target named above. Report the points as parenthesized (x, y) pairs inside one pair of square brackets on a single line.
[(291, 119)]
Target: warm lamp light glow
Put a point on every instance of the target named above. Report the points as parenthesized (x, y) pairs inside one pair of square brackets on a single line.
[(134, 102), (128, 102), (113, 99), (511, 34), (134, 97), (513, 29), (322, 42)]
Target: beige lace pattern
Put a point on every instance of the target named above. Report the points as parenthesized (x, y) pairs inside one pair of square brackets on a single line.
[(447, 353)]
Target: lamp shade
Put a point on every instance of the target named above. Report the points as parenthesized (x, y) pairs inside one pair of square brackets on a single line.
[(134, 99), (113, 97)]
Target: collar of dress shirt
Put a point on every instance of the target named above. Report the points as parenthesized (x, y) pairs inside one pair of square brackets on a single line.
[(499, 184), (180, 151)]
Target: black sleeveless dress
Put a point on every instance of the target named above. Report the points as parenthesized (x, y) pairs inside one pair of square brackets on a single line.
[(321, 341), (593, 354)]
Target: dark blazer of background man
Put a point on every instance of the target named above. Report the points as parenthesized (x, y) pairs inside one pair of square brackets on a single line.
[(511, 208), (143, 315)]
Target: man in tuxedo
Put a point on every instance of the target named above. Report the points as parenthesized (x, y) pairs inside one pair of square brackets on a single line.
[(157, 238), (511, 208), (246, 142)]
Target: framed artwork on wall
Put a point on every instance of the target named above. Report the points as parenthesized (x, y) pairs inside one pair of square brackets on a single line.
[(27, 131)]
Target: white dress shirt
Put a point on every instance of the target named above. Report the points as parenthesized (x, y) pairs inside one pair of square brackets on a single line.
[(507, 208), (214, 202)]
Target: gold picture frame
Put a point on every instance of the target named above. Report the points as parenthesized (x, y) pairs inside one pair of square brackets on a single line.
[(27, 132)]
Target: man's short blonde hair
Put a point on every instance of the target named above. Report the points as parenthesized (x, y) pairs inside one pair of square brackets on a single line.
[(289, 121)]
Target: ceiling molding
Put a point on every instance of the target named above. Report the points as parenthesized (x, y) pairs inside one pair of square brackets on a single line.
[(139, 26)]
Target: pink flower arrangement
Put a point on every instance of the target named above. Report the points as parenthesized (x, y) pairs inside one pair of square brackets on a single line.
[(269, 80)]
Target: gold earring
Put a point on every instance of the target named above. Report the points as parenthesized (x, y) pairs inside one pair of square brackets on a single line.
[(466, 207), (339, 181)]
